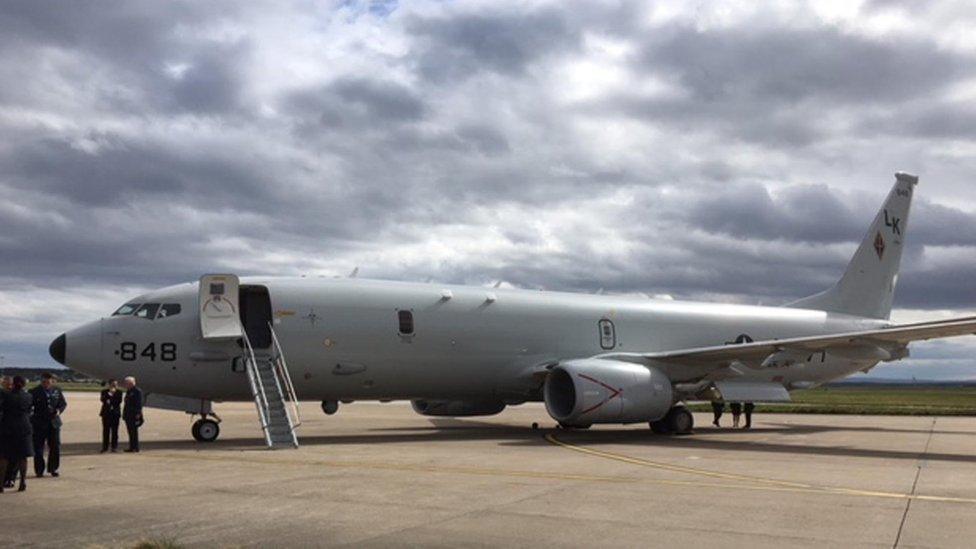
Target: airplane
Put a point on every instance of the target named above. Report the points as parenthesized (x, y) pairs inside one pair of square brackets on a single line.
[(469, 351)]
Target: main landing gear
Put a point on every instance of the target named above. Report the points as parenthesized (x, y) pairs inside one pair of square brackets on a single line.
[(678, 421), (206, 429)]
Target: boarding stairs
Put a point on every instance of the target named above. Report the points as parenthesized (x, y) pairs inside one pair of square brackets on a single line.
[(274, 393)]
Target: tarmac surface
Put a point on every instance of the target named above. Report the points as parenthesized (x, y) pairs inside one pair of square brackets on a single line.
[(381, 475)]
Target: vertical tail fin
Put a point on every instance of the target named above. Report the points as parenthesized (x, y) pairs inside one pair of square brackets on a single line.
[(868, 285)]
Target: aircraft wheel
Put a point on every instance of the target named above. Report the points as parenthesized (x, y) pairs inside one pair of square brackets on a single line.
[(660, 427), (680, 420), (205, 430), (330, 406)]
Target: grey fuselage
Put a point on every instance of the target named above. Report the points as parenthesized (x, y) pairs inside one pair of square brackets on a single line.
[(341, 340)]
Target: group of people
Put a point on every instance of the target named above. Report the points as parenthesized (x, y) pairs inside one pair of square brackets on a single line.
[(116, 406), (737, 409), (30, 422)]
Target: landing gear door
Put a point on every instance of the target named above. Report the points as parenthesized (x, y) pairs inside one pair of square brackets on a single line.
[(219, 307)]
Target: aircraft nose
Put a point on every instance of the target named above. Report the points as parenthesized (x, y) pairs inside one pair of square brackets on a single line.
[(57, 349)]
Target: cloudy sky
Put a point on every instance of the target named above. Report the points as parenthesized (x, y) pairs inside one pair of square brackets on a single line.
[(698, 150)]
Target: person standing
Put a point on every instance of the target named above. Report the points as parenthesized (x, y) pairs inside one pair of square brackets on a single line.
[(718, 408), (748, 408), (110, 413), (132, 413), (49, 404), (736, 408), (16, 430), (5, 386), (6, 481)]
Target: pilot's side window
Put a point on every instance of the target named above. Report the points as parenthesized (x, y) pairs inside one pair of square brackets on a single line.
[(147, 311), (405, 319), (168, 310)]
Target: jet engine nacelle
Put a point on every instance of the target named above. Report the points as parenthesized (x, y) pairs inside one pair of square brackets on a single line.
[(594, 390), (457, 408)]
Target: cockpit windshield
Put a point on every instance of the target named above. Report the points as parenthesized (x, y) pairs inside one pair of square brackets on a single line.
[(168, 310), (126, 309), (147, 311)]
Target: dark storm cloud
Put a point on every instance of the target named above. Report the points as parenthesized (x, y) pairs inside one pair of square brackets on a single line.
[(791, 65), (124, 170), (132, 45), (817, 213), (774, 85), (805, 213), (505, 43), (364, 103)]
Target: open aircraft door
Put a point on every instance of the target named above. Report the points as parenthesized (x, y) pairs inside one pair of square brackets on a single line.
[(220, 306)]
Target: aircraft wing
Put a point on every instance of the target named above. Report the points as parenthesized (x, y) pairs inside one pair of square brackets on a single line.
[(870, 345)]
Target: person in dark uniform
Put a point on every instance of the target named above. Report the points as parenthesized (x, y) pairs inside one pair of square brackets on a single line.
[(718, 407), (5, 385), (49, 404), (7, 481), (16, 430), (132, 413), (736, 408), (110, 413), (748, 408)]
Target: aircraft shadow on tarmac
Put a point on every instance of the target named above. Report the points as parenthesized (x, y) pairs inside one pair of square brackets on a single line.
[(453, 430)]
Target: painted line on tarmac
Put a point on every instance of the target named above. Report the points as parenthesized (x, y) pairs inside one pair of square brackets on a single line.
[(757, 483)]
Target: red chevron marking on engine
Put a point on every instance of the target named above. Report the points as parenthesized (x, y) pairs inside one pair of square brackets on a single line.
[(614, 393)]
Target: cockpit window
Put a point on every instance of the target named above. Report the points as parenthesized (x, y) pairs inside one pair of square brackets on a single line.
[(147, 311), (126, 309), (168, 310)]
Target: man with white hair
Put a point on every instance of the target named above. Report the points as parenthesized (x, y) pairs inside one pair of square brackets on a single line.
[(132, 412)]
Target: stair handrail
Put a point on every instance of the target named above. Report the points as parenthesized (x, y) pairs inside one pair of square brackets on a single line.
[(257, 386), (286, 375)]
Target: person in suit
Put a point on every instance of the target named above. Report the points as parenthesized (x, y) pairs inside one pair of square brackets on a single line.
[(747, 409), (5, 385), (110, 413), (132, 412), (7, 481), (16, 430), (49, 404)]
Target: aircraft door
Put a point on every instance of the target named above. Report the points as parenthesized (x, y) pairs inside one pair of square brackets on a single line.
[(256, 315), (219, 307)]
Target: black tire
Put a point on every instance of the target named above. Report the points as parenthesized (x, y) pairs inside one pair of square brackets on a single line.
[(205, 430), (330, 407), (660, 427), (680, 420)]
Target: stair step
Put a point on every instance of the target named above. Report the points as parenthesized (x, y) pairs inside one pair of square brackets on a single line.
[(267, 370)]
